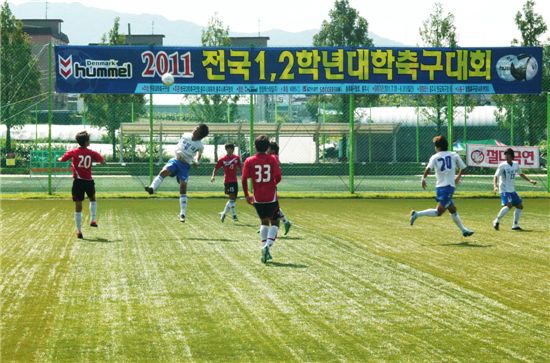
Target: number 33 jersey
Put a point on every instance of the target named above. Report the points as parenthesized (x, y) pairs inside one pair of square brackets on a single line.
[(82, 159), (265, 173), (444, 163)]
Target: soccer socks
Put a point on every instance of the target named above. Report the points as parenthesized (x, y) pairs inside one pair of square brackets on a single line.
[(263, 234), (282, 216), (93, 210), (517, 214), (232, 206), (272, 235), (458, 222), (427, 213), (183, 203), (78, 220), (502, 213), (156, 182), (227, 207)]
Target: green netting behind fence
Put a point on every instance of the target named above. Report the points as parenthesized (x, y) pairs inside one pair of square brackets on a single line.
[(390, 156)]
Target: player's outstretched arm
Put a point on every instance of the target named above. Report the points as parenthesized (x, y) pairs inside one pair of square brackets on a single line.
[(426, 172), (459, 176), (495, 183), (534, 182), (197, 162)]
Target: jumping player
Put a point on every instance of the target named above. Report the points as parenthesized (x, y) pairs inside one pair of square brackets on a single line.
[(265, 173), (81, 165), (189, 145), (506, 176), (444, 163), (230, 162), (274, 151)]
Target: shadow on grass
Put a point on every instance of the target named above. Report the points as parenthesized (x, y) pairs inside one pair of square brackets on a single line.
[(101, 240), (289, 265), (466, 244), (288, 237)]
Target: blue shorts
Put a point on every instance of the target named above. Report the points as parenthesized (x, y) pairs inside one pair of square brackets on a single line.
[(178, 169), (444, 195), (512, 198)]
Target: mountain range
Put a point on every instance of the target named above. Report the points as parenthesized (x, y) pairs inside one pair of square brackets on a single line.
[(84, 25)]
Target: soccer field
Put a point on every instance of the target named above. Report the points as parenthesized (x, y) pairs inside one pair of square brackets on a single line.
[(351, 282)]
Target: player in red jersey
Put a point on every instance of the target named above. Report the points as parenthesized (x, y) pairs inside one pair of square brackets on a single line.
[(274, 151), (230, 163), (83, 182), (265, 173)]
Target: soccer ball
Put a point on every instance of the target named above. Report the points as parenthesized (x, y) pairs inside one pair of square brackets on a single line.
[(525, 68), (167, 79)]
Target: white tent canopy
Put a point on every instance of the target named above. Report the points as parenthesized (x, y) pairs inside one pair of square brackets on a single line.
[(406, 116)]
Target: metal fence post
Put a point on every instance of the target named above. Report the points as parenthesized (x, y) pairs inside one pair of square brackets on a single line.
[(547, 140), (351, 157), (417, 134), (450, 121), (151, 138), (512, 126), (50, 101), (251, 126)]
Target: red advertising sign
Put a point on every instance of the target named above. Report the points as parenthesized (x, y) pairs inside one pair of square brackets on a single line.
[(489, 156)]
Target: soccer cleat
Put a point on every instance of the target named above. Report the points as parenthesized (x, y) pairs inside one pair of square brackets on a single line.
[(269, 258), (467, 233), (222, 216), (266, 256), (287, 227), (517, 228), (235, 219), (93, 224), (182, 218), (496, 224), (413, 217), (150, 190), (79, 235)]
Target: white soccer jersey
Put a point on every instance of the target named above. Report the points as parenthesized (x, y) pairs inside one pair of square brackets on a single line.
[(187, 148), (506, 174), (445, 163)]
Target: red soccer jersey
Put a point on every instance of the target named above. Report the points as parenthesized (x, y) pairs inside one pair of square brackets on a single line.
[(81, 164), (230, 165), (265, 173)]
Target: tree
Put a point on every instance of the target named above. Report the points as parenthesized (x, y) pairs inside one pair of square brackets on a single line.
[(529, 110), (106, 110), (345, 28), (19, 74), (437, 31), (214, 108)]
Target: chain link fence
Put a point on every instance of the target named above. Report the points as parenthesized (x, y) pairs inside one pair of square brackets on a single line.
[(390, 144)]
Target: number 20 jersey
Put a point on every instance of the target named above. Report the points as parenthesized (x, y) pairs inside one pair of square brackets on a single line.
[(265, 173), (444, 163), (82, 159)]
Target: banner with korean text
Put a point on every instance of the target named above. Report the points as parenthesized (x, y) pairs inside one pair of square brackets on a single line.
[(334, 70), (490, 156)]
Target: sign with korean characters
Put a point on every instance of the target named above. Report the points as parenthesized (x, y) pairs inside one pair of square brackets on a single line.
[(490, 156), (334, 70)]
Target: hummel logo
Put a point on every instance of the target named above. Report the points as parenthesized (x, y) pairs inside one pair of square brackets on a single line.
[(66, 66)]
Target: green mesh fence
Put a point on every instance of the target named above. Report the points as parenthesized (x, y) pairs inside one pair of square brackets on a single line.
[(391, 140)]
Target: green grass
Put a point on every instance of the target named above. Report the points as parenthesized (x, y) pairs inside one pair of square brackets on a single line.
[(352, 282)]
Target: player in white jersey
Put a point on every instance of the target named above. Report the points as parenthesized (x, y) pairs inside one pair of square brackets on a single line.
[(444, 163), (189, 145), (506, 177)]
